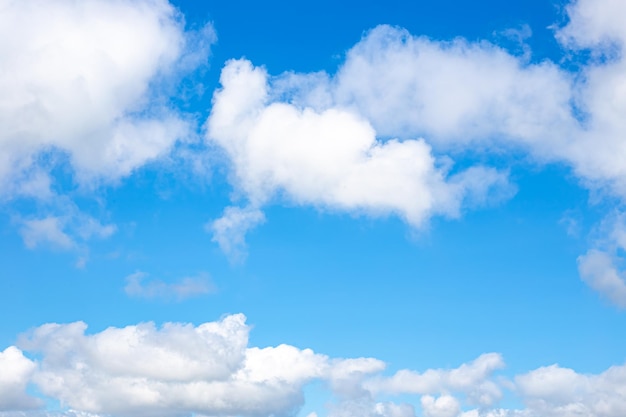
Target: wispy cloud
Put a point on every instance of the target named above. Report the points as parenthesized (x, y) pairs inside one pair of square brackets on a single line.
[(140, 286)]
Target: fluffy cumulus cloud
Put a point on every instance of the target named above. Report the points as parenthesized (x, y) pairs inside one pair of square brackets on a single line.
[(15, 373), (462, 95), (554, 391), (176, 369), (181, 369), (77, 76), (456, 93), (443, 406), (85, 85), (329, 158), (473, 379), (373, 137), (315, 139)]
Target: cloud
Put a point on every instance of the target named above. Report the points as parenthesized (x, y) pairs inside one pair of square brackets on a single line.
[(369, 408), (500, 412), (138, 286), (49, 230), (473, 379), (372, 138), (78, 77), (561, 392), (601, 267), (599, 271), (177, 369), (453, 93), (594, 23), (475, 96), (329, 159), (229, 231), (443, 406), (53, 230), (15, 373), (85, 86), (181, 369)]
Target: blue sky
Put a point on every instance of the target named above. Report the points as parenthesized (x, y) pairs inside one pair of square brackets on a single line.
[(342, 209)]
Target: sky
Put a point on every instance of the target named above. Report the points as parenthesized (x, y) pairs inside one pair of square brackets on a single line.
[(312, 209)]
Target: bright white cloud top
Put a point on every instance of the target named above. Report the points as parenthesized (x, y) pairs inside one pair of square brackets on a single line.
[(330, 158), (102, 102), (85, 82), (78, 76), (210, 370), (179, 369)]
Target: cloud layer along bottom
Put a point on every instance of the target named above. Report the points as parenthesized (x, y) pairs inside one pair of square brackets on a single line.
[(180, 369)]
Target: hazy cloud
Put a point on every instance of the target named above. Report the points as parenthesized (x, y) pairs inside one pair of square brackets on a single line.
[(139, 285)]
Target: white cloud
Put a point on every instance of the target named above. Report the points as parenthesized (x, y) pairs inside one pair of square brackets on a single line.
[(66, 231), (594, 23), (473, 379), (78, 77), (49, 230), (209, 369), (442, 406), (137, 285), (177, 369), (15, 373), (602, 266), (85, 85), (368, 139), (462, 95), (456, 93), (330, 159), (229, 231), (599, 271), (369, 408), (561, 392)]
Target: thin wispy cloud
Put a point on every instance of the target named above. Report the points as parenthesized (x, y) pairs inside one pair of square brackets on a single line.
[(140, 285)]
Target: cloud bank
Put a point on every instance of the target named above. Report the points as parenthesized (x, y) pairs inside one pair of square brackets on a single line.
[(182, 369)]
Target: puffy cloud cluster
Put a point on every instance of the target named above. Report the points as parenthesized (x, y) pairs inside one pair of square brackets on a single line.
[(554, 391), (85, 85), (313, 139), (177, 369), (371, 138), (77, 77), (455, 93), (462, 95), (209, 369), (329, 158), (473, 379), (15, 373)]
